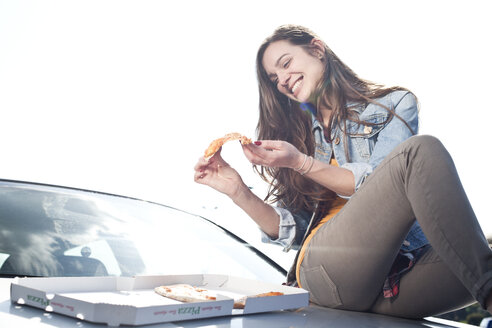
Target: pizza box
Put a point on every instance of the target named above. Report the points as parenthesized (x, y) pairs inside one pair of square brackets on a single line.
[(132, 300)]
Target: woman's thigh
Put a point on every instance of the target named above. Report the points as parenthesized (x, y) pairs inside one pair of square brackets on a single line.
[(348, 259), (430, 288)]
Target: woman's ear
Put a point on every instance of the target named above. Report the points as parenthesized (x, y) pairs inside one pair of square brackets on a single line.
[(318, 48)]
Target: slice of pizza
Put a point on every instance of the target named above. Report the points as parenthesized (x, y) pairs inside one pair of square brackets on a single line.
[(241, 302), (217, 143), (185, 293)]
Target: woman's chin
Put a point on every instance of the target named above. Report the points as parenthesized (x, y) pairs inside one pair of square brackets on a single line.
[(302, 95), (301, 99)]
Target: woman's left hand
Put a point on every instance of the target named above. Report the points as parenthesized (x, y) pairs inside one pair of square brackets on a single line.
[(273, 153)]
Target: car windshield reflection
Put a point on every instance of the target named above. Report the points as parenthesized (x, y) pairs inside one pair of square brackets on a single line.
[(53, 231)]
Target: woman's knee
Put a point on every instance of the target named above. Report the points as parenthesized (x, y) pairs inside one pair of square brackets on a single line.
[(425, 143), (425, 147)]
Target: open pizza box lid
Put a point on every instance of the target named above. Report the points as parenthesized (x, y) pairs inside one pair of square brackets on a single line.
[(132, 300)]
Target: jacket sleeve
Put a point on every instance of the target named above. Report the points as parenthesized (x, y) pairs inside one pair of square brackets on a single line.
[(291, 230), (395, 132)]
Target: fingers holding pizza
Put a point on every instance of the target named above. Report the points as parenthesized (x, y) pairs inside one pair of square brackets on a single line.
[(213, 171), (273, 153), (216, 173)]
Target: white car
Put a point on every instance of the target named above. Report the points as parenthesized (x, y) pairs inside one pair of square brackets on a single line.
[(50, 231)]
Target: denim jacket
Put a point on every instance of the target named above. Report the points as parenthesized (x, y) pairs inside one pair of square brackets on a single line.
[(368, 146)]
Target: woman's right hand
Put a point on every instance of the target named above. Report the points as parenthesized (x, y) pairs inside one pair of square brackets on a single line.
[(219, 175)]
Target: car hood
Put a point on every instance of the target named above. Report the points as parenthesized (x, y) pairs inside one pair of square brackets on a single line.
[(15, 315)]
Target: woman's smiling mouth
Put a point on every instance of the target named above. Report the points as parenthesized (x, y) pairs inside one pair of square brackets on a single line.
[(296, 86)]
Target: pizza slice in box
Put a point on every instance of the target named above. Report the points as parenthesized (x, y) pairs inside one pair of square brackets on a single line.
[(185, 293), (188, 294), (241, 302)]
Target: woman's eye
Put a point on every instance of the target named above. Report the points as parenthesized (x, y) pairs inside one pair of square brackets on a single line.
[(286, 64)]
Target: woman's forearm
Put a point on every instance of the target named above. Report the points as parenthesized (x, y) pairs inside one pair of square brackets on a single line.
[(263, 214), (337, 179), (276, 153)]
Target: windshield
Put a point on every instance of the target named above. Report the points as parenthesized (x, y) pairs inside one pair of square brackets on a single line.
[(53, 231)]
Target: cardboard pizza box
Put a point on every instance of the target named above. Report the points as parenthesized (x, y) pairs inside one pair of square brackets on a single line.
[(132, 300)]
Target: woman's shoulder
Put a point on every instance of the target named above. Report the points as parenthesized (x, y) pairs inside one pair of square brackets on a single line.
[(391, 101), (394, 97)]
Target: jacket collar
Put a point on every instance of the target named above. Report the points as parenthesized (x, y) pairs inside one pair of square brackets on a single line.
[(355, 106)]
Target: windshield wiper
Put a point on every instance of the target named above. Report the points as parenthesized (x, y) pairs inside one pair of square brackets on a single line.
[(13, 275)]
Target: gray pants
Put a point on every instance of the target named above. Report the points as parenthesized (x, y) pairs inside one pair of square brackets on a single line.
[(349, 258)]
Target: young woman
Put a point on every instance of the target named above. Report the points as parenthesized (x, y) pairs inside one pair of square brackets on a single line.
[(379, 215)]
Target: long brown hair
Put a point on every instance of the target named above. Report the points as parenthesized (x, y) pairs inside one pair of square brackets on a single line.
[(282, 119)]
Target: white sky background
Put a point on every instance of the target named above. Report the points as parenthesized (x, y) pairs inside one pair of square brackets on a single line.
[(124, 96)]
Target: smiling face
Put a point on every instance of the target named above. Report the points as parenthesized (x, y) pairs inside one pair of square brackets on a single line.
[(293, 70)]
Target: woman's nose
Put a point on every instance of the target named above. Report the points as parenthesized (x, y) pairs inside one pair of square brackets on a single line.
[(283, 79)]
